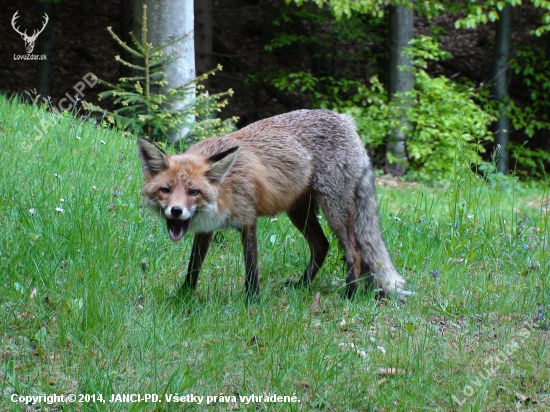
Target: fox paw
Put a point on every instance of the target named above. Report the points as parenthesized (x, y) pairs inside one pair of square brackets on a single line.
[(296, 283), (396, 285)]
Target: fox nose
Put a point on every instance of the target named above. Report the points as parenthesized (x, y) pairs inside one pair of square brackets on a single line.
[(176, 211)]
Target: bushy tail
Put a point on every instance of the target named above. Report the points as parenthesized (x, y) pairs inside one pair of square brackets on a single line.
[(375, 258)]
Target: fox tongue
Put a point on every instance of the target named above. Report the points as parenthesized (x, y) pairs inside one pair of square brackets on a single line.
[(177, 228)]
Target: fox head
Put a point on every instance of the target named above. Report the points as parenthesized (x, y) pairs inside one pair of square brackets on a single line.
[(183, 187)]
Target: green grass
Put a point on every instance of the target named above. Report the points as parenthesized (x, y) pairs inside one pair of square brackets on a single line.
[(82, 313)]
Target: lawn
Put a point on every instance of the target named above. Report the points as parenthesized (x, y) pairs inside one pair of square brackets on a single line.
[(89, 306)]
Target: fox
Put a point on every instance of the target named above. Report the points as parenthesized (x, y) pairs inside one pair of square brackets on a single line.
[(298, 163)]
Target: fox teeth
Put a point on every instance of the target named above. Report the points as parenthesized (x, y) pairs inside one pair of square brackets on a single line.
[(177, 228)]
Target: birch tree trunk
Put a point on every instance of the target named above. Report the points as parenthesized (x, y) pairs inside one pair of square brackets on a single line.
[(168, 20), (400, 79)]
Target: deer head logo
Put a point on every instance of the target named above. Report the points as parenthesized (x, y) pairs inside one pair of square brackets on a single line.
[(29, 40)]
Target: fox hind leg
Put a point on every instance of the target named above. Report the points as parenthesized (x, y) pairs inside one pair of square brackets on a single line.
[(341, 218), (368, 274), (353, 256), (304, 216)]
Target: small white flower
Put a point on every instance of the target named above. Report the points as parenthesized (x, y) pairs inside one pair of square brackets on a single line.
[(56, 175), (381, 349), (62, 200), (102, 142), (78, 138), (59, 210), (31, 211)]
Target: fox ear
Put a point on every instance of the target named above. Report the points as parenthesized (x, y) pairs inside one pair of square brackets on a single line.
[(153, 159), (221, 163)]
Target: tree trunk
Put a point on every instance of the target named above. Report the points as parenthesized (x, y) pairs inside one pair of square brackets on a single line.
[(45, 46), (168, 20), (500, 86), (203, 36), (126, 26), (400, 80)]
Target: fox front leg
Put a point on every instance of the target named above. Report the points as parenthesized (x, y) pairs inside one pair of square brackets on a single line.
[(250, 248), (201, 243)]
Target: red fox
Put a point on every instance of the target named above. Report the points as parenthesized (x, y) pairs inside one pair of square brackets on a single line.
[(292, 163)]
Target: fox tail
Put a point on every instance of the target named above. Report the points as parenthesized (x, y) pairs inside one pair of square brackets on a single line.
[(376, 262)]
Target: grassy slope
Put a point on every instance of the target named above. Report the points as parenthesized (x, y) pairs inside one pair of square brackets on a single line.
[(81, 315)]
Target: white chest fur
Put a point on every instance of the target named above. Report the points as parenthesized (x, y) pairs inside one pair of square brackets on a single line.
[(208, 220)]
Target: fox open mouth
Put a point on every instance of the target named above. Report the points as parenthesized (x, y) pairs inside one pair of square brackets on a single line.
[(177, 228)]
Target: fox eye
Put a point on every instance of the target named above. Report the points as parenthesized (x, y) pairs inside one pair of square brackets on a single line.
[(165, 190), (194, 192)]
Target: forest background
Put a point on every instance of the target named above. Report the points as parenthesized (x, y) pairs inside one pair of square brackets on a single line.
[(279, 57)]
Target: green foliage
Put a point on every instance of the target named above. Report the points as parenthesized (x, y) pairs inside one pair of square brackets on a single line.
[(445, 122), (324, 92), (375, 8), (323, 30), (530, 162), (314, 47), (483, 12), (342, 8), (474, 12), (311, 39), (447, 126), (532, 117), (345, 8), (533, 66), (144, 108)]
